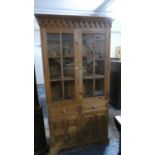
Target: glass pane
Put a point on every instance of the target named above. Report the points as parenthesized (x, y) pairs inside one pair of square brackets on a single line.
[(99, 87), (99, 68), (55, 68), (87, 55), (68, 67), (56, 90), (69, 89), (53, 43), (67, 44), (99, 54), (88, 88)]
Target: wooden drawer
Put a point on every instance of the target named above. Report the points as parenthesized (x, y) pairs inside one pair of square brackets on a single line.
[(64, 110), (86, 106), (94, 107)]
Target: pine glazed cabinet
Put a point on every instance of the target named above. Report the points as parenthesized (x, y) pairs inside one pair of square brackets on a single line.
[(76, 63)]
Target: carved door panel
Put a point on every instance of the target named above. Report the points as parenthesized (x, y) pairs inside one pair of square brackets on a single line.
[(66, 130)]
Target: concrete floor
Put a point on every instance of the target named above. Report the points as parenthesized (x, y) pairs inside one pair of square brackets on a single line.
[(93, 149)]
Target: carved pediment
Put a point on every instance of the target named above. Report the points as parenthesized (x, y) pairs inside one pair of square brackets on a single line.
[(77, 22)]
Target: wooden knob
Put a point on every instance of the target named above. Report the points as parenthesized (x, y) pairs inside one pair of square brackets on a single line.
[(64, 110), (79, 108), (76, 68), (81, 93), (93, 107)]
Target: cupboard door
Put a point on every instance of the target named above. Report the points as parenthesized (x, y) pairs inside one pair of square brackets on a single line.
[(61, 60), (93, 55)]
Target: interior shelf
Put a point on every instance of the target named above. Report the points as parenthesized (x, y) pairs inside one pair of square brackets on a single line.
[(68, 78), (88, 77), (97, 76), (68, 56), (54, 80), (56, 57), (65, 79)]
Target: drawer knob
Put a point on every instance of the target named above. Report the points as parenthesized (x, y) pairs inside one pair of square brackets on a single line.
[(93, 107), (64, 110), (79, 109), (76, 68)]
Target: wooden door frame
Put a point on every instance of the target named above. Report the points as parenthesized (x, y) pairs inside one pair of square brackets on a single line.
[(106, 63)]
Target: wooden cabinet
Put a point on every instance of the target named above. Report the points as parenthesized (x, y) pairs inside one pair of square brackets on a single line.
[(75, 53)]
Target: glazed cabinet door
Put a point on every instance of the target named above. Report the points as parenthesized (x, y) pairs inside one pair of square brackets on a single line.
[(61, 65), (93, 64)]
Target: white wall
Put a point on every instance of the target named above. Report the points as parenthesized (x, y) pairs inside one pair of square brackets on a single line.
[(38, 58), (115, 36), (37, 54), (115, 41), (80, 7)]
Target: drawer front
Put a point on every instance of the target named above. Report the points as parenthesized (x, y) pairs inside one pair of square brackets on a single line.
[(89, 108), (64, 110), (92, 107)]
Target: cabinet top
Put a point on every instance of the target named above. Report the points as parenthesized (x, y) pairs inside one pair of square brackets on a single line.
[(70, 21)]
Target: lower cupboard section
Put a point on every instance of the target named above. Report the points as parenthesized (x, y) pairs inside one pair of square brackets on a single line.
[(74, 130)]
